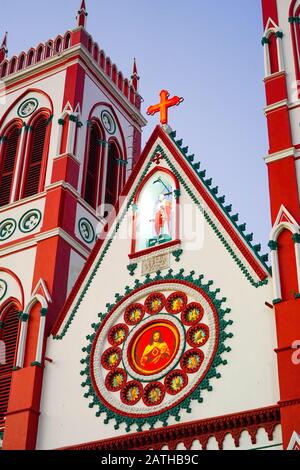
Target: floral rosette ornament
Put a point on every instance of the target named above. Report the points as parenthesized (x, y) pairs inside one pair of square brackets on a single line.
[(155, 350)]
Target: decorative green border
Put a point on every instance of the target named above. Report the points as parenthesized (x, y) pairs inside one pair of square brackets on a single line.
[(113, 121), (15, 227), (24, 102), (117, 226), (5, 289), (21, 222), (83, 219), (204, 384)]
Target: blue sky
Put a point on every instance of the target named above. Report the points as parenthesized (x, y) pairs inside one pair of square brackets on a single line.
[(208, 52)]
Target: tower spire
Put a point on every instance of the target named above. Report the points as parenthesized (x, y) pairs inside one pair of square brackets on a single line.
[(82, 15), (3, 48), (135, 77)]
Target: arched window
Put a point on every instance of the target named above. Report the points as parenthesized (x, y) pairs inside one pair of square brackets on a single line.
[(93, 166), (8, 336), (58, 44), (96, 52), (39, 54), (126, 88), (13, 64), (108, 66), (112, 172), (120, 81), (4, 69), (49, 46), (273, 54), (287, 265), (114, 74), (21, 62), (33, 179), (67, 40), (30, 57), (156, 216), (8, 161)]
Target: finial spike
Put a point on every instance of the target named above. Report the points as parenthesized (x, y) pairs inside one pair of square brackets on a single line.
[(4, 42), (82, 15), (134, 77), (3, 49)]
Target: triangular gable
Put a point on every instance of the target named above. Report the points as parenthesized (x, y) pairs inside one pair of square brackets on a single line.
[(42, 290), (270, 25), (217, 214), (294, 442), (284, 216)]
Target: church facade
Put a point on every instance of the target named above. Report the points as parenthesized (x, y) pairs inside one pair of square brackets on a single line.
[(136, 312)]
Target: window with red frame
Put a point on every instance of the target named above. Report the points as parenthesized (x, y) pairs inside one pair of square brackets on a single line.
[(9, 155), (112, 175), (93, 163), (9, 336), (35, 158)]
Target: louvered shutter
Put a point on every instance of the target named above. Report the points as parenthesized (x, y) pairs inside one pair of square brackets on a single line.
[(112, 176), (8, 165), (92, 168), (10, 335), (34, 165)]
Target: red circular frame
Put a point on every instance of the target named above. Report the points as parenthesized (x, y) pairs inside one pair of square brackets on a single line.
[(125, 298)]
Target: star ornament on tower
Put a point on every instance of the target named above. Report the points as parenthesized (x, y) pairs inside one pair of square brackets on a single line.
[(163, 107)]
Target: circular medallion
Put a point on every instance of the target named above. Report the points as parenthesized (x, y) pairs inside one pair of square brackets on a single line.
[(86, 230), (108, 122), (28, 107), (191, 361), (192, 314), (115, 380), (132, 393), (30, 221), (150, 353), (176, 302), (155, 303), (3, 288), (153, 347), (118, 334), (197, 336), (153, 394), (7, 229), (111, 358), (134, 314)]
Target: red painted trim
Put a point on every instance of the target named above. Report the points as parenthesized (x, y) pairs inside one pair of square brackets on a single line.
[(15, 277), (21, 97), (186, 433), (141, 289), (269, 11)]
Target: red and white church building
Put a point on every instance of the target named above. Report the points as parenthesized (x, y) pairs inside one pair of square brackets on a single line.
[(136, 312)]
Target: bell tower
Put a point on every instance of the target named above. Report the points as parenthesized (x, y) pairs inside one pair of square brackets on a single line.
[(281, 41), (70, 134)]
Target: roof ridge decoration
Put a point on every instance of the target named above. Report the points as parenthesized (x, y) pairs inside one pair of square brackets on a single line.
[(220, 200)]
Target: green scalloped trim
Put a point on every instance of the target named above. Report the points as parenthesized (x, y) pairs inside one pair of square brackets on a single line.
[(204, 385), (118, 224), (219, 200)]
